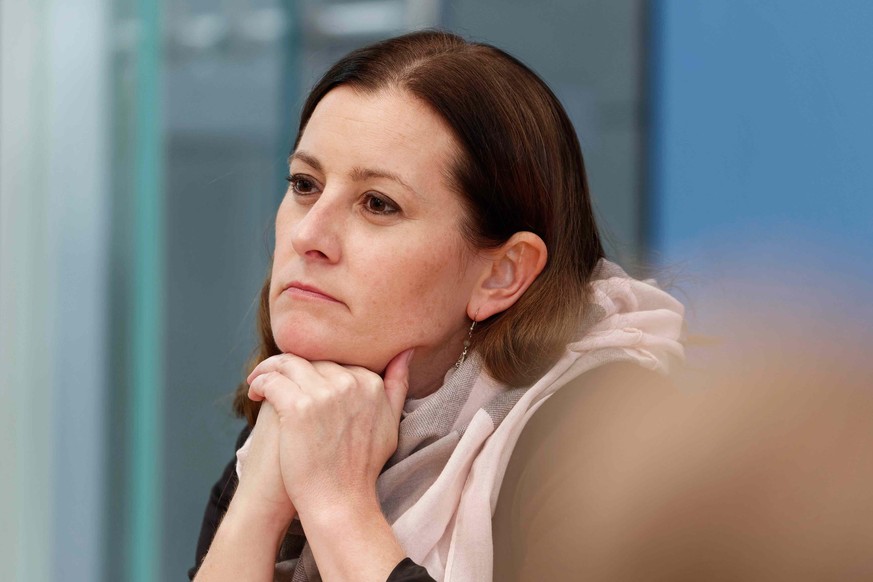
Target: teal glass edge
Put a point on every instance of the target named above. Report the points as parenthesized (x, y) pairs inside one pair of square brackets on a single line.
[(147, 294)]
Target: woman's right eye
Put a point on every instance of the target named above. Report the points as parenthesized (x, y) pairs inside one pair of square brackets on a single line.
[(302, 185)]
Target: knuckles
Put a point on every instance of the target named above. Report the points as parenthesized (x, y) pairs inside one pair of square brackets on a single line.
[(344, 383), (338, 384), (303, 406), (374, 385), (259, 383)]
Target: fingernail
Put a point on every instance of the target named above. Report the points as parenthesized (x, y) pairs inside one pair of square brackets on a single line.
[(409, 354)]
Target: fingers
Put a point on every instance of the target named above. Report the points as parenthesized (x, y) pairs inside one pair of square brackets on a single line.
[(397, 381), (275, 388), (344, 418), (268, 379), (294, 367)]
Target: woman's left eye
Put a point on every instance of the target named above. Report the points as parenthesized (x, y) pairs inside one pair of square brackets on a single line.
[(379, 204)]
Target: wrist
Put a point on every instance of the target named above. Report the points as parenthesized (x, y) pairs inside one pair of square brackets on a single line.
[(255, 516), (246, 543), (352, 540)]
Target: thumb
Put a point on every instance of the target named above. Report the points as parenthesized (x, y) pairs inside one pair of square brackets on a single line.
[(396, 380)]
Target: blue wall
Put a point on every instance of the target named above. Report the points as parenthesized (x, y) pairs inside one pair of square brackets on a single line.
[(762, 115)]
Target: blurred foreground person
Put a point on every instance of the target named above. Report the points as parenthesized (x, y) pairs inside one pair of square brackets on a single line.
[(757, 466)]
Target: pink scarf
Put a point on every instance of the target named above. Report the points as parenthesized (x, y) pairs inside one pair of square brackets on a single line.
[(440, 490)]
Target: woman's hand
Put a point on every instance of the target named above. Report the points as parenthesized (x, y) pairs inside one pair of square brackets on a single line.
[(248, 539), (338, 426), (261, 487)]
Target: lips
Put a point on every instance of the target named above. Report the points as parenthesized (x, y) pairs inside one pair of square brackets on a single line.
[(304, 290)]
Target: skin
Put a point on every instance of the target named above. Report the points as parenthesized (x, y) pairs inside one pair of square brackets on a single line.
[(392, 256), (372, 291)]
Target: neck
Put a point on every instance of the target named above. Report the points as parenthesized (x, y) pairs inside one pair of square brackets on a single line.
[(429, 366)]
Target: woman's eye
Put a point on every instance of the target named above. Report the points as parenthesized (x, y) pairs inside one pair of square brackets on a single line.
[(301, 184), (380, 205)]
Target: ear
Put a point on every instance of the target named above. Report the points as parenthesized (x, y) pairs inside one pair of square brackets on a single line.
[(509, 272)]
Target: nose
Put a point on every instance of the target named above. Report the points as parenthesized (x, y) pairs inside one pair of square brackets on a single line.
[(316, 236)]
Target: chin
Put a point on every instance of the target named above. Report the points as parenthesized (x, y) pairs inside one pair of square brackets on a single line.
[(302, 337), (314, 347), (307, 346)]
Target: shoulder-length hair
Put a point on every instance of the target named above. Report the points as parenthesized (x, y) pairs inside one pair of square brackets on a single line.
[(519, 168)]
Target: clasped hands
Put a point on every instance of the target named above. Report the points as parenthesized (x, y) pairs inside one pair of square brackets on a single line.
[(323, 434)]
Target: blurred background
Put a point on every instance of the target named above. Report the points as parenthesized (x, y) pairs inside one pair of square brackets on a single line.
[(142, 152)]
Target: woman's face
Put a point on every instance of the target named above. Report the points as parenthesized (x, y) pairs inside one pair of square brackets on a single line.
[(369, 256)]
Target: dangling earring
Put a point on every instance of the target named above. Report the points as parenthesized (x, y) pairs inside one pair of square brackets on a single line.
[(466, 344)]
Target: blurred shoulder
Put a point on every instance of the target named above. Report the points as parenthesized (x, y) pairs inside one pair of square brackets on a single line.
[(565, 484)]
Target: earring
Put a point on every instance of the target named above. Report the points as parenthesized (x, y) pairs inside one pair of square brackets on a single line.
[(466, 344)]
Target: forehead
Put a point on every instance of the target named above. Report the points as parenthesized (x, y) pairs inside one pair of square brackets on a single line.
[(386, 128)]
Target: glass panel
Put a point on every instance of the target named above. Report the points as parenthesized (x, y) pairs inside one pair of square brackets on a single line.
[(590, 54), (134, 428), (226, 114), (53, 273)]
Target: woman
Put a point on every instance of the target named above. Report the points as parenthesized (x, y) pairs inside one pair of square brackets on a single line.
[(437, 275)]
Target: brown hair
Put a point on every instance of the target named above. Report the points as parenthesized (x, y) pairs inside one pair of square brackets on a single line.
[(519, 168)]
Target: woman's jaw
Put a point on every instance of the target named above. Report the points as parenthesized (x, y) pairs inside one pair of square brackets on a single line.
[(427, 368)]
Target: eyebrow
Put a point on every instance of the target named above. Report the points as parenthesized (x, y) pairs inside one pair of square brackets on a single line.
[(357, 174)]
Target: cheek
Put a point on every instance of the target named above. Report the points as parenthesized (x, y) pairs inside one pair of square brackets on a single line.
[(424, 281)]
